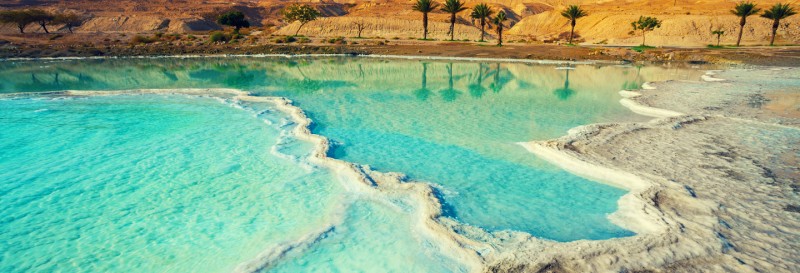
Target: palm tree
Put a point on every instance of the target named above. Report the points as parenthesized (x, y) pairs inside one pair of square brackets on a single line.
[(776, 13), (719, 32), (425, 6), (572, 13), (498, 20), (453, 7), (482, 12), (744, 9)]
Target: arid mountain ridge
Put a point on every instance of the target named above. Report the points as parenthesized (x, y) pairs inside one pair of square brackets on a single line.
[(685, 23)]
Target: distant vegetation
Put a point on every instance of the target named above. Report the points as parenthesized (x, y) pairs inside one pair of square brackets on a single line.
[(776, 13), (301, 13), (719, 33), (69, 20), (743, 10), (482, 12), (453, 7), (425, 6), (235, 19), (498, 20), (23, 18), (646, 24), (572, 13)]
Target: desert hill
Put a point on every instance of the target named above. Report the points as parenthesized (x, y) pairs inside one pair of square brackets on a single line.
[(685, 22)]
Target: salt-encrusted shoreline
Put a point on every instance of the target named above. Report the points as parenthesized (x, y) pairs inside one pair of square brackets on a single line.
[(724, 181)]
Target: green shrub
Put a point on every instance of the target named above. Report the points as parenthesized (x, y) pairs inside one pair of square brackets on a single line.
[(139, 39), (191, 37), (641, 48), (219, 36), (286, 39), (304, 40), (338, 40)]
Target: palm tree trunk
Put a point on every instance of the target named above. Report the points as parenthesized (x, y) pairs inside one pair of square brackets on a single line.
[(452, 26), (483, 28), (572, 31), (424, 25), (44, 26), (500, 35), (718, 37), (298, 29), (774, 31), (741, 29), (21, 28)]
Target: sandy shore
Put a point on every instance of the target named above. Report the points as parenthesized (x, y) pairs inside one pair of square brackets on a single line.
[(109, 45), (721, 173)]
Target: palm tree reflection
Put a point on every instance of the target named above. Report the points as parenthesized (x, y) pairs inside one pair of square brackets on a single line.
[(476, 88), (423, 92), (565, 92), (449, 94)]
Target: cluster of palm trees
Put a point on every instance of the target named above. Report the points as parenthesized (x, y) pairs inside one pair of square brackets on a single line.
[(775, 13), (480, 12), (483, 14)]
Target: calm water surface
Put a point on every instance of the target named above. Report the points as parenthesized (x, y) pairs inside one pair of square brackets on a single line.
[(179, 183)]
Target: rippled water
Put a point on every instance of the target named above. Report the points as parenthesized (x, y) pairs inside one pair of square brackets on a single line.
[(180, 183)]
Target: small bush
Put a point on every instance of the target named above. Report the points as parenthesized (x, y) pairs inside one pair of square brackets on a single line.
[(139, 39), (304, 40), (396, 38), (219, 36), (641, 48), (158, 34), (191, 37), (338, 40), (287, 39), (57, 36)]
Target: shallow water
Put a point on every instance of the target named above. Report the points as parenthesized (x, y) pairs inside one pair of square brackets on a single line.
[(168, 183)]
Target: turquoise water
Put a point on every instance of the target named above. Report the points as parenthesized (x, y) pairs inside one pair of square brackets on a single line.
[(161, 184), (178, 183)]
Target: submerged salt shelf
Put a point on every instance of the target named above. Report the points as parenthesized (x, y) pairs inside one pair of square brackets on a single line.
[(452, 124), (169, 183)]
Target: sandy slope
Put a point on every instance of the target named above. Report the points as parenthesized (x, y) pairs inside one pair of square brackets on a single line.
[(686, 22), (722, 180)]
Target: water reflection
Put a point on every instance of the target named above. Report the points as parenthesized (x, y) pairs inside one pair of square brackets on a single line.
[(423, 92), (636, 82), (449, 94), (565, 92), (476, 88)]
